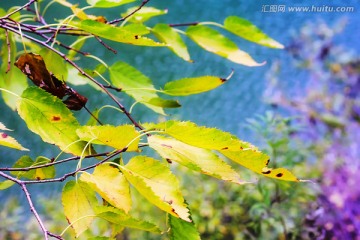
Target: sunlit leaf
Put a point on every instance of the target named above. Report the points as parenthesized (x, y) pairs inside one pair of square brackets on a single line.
[(13, 80), (200, 136), (212, 41), (118, 217), (117, 137), (108, 3), (6, 184), (48, 117), (195, 85), (144, 14), (157, 184), (181, 230), (34, 174), (8, 141), (111, 185), (135, 84), (197, 159), (3, 127), (249, 31), (258, 162), (173, 39), (79, 202), (117, 34), (54, 63), (137, 28)]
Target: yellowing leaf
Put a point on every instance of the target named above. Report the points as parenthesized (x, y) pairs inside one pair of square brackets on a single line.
[(198, 159), (118, 217), (249, 31), (34, 174), (111, 185), (258, 162), (14, 80), (79, 201), (189, 86), (212, 41), (173, 39), (144, 14), (117, 34), (47, 116), (117, 137), (157, 184), (108, 3), (199, 136), (135, 84), (7, 141)]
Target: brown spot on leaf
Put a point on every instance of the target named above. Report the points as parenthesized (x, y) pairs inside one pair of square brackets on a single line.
[(279, 175), (224, 148), (266, 172), (168, 160), (223, 80), (55, 118), (136, 37), (267, 162), (4, 135)]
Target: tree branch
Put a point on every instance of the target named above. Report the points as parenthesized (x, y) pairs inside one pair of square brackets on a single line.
[(132, 13)]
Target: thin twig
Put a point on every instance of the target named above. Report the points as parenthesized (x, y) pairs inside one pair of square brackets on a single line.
[(9, 51), (65, 176), (25, 169), (20, 8), (92, 115), (105, 45), (114, 88), (28, 197), (183, 24), (132, 13)]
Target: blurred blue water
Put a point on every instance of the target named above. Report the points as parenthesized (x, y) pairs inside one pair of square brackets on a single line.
[(226, 107)]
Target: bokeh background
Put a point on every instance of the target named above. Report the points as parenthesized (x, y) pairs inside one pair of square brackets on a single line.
[(302, 108)]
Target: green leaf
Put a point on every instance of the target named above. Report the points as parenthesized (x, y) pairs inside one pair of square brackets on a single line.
[(173, 39), (144, 14), (14, 80), (137, 28), (189, 86), (117, 34), (157, 184), (197, 159), (6, 184), (38, 173), (249, 31), (108, 3), (199, 136), (54, 64), (111, 185), (163, 103), (135, 84), (47, 116), (181, 230), (118, 217), (7, 141), (79, 202), (117, 137), (212, 41), (258, 162)]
